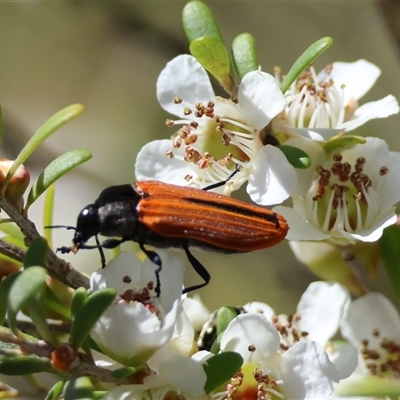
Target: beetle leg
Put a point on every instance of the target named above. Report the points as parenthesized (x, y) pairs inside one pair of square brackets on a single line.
[(156, 259), (224, 182), (199, 268)]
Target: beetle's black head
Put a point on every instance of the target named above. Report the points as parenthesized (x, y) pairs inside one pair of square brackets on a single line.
[(87, 226)]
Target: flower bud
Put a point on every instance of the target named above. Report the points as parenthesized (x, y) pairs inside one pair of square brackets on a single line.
[(17, 184)]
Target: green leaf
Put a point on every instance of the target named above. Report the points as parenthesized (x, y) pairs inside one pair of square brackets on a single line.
[(36, 254), (297, 157), (371, 387), (55, 304), (55, 391), (305, 60), (224, 316), (11, 229), (338, 142), (89, 313), (79, 388), (46, 130), (220, 368), (124, 372), (24, 365), (25, 286), (244, 54), (55, 170), (48, 210), (38, 315), (198, 20), (98, 394), (212, 54), (78, 300), (5, 287), (389, 249)]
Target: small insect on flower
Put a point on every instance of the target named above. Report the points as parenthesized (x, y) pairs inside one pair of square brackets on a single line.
[(164, 215)]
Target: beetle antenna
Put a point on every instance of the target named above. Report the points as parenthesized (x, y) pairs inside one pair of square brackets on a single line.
[(225, 181), (60, 226)]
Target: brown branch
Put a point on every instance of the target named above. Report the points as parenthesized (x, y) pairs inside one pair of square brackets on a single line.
[(56, 267)]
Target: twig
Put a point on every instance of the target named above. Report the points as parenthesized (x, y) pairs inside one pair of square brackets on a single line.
[(357, 268), (56, 267)]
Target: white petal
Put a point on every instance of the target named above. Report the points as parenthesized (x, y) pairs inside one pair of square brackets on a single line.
[(307, 372), (251, 330), (358, 76), (375, 109), (367, 313), (374, 233), (272, 179), (196, 311), (186, 78), (300, 229), (261, 308), (260, 98), (321, 308), (152, 163), (317, 134), (184, 374), (126, 392), (345, 357)]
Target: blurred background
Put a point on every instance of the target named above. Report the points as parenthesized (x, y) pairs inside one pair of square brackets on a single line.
[(107, 56)]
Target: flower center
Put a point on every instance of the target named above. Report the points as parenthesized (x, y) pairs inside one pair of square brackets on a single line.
[(250, 383), (315, 104), (342, 197), (289, 330), (215, 138), (385, 361)]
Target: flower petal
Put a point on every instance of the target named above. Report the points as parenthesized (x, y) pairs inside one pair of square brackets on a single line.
[(186, 78), (317, 134), (260, 98), (345, 357), (367, 314), (307, 372), (152, 163), (273, 179), (321, 308), (382, 108), (251, 330), (300, 229), (358, 77)]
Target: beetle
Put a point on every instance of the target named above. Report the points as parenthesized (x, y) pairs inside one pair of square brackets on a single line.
[(169, 216)]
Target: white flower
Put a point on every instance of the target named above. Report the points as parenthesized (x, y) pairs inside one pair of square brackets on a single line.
[(346, 195), (372, 325), (304, 371), (322, 105), (138, 323), (218, 134), (317, 318)]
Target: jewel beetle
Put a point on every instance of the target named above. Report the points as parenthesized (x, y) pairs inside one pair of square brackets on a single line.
[(169, 216)]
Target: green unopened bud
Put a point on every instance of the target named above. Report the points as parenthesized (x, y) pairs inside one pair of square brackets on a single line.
[(16, 185)]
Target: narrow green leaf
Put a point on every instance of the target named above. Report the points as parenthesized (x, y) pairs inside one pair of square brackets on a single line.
[(220, 368), (244, 54), (5, 287), (342, 141), (24, 287), (38, 315), (198, 20), (78, 300), (124, 372), (10, 228), (224, 316), (212, 54), (48, 210), (46, 130), (55, 304), (24, 365), (36, 254), (55, 391), (55, 170), (389, 249), (89, 313), (297, 157), (79, 388), (305, 60), (98, 394)]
